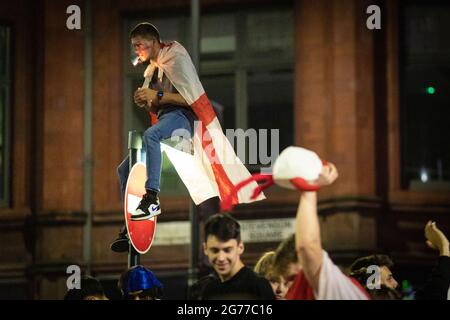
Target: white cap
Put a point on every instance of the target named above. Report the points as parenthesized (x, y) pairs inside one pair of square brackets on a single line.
[(296, 162)]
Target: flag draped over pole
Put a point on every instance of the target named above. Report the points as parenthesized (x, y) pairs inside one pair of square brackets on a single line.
[(214, 169)]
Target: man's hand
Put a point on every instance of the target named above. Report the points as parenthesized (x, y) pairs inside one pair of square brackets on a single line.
[(436, 239), (328, 175), (145, 97)]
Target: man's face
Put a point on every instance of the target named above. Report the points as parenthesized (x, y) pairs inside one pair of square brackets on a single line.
[(139, 295), (279, 286), (291, 272), (223, 256), (387, 278), (144, 48)]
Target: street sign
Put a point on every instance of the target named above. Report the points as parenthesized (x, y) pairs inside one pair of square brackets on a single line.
[(142, 232)]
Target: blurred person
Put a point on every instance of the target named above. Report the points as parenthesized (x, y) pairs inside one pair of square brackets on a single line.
[(231, 279), (264, 268), (437, 286), (90, 289), (384, 293), (139, 283), (359, 270), (304, 263), (286, 260)]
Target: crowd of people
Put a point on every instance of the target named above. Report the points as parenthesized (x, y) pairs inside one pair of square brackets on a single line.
[(299, 268)]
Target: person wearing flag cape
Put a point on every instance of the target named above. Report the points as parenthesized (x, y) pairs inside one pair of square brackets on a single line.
[(178, 106)]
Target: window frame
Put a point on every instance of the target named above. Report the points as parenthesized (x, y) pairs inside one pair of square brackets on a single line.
[(398, 196), (6, 83)]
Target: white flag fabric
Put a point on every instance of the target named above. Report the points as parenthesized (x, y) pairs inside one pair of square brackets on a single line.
[(214, 169)]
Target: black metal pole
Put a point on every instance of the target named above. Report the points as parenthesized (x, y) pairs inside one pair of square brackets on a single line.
[(193, 209), (87, 135), (134, 152)]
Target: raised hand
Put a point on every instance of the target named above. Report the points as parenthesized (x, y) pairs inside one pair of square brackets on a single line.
[(328, 175), (436, 239)]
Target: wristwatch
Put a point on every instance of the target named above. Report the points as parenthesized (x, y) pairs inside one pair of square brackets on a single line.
[(160, 94)]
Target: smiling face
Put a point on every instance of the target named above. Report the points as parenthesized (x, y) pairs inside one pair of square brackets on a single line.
[(224, 256), (145, 48)]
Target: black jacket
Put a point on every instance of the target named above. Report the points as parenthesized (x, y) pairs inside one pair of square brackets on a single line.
[(437, 285), (244, 285)]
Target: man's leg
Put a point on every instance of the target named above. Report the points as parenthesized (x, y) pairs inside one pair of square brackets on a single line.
[(121, 244), (172, 123), (123, 171)]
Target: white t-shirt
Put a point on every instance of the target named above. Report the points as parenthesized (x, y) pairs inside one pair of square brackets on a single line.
[(334, 285)]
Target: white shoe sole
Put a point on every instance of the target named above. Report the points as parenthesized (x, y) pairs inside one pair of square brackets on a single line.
[(144, 216)]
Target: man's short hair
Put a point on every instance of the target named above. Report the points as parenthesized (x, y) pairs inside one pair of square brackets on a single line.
[(285, 254), (224, 227), (145, 30), (374, 259), (89, 287), (358, 269)]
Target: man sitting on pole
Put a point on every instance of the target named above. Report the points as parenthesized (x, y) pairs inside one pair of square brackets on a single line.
[(175, 100)]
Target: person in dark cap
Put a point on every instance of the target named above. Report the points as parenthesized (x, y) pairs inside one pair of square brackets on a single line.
[(90, 289), (139, 283)]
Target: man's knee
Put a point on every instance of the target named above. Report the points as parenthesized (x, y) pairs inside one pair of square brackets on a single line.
[(151, 134)]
